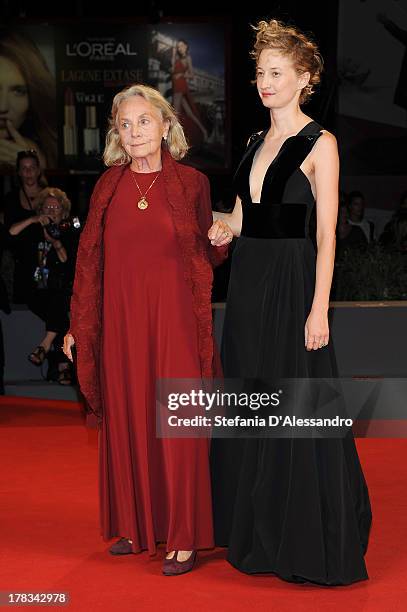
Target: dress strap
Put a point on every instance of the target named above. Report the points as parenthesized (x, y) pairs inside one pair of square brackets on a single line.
[(254, 141), (312, 138), (255, 137)]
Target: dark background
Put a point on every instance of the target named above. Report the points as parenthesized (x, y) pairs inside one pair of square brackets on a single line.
[(246, 112)]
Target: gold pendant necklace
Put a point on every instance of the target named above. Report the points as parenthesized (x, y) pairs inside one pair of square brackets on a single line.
[(142, 204)]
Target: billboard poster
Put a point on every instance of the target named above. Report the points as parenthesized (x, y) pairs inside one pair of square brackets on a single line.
[(186, 63), (91, 69), (59, 82)]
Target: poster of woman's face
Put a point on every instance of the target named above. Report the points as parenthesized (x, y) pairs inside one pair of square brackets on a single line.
[(27, 95)]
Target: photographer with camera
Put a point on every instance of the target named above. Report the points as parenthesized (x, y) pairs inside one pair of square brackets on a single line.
[(54, 269)]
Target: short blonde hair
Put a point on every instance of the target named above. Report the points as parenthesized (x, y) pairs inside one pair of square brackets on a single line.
[(293, 43), (53, 192), (114, 154)]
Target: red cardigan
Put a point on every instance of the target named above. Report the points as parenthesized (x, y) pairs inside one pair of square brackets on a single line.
[(188, 194)]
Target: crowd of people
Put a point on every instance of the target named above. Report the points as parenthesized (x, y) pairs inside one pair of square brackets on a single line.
[(355, 230), (42, 236)]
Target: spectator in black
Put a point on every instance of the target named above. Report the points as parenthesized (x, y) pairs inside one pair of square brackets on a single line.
[(356, 215), (348, 236), (19, 215), (394, 236)]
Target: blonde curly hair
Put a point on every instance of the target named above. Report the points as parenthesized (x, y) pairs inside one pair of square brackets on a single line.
[(52, 192), (114, 154), (293, 43)]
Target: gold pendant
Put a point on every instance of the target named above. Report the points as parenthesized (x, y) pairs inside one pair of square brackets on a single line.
[(142, 204)]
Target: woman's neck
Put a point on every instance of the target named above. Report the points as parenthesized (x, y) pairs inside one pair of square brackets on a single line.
[(27, 195), (31, 190), (146, 164), (285, 122)]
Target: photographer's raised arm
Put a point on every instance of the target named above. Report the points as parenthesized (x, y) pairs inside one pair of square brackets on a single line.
[(18, 227)]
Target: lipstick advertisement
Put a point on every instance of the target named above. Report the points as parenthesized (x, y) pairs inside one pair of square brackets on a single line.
[(91, 69), (60, 85)]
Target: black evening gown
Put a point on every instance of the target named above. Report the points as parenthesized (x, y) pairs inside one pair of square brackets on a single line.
[(298, 508)]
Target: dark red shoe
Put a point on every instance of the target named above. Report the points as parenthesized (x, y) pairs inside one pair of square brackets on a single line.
[(173, 567), (121, 547)]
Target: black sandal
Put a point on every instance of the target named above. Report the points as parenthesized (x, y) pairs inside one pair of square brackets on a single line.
[(38, 355)]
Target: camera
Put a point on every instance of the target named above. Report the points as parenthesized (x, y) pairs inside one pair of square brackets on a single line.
[(54, 229)]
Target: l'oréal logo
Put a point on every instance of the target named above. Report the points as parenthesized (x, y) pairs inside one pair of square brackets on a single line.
[(85, 48)]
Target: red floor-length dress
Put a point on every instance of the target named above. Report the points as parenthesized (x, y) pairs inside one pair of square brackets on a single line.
[(151, 489)]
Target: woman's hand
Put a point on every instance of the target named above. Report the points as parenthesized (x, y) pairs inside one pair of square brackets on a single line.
[(9, 147), (69, 341), (316, 330), (220, 233), (43, 219)]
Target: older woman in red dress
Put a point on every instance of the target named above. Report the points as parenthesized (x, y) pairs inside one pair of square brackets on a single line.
[(140, 311)]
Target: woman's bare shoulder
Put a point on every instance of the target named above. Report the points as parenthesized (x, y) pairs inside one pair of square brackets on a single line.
[(327, 139), (326, 145)]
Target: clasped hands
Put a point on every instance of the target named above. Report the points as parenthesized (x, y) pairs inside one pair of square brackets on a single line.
[(220, 233)]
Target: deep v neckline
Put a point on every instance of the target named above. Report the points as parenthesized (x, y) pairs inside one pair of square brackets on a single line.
[(273, 160)]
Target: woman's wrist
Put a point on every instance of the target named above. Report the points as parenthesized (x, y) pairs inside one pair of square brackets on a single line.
[(320, 308), (221, 216)]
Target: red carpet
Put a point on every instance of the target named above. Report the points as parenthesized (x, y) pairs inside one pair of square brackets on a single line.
[(50, 536)]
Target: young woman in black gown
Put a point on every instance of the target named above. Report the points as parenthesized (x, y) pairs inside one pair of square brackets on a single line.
[(295, 507)]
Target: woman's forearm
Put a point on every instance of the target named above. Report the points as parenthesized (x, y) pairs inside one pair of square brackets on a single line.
[(324, 272), (16, 228), (61, 251)]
